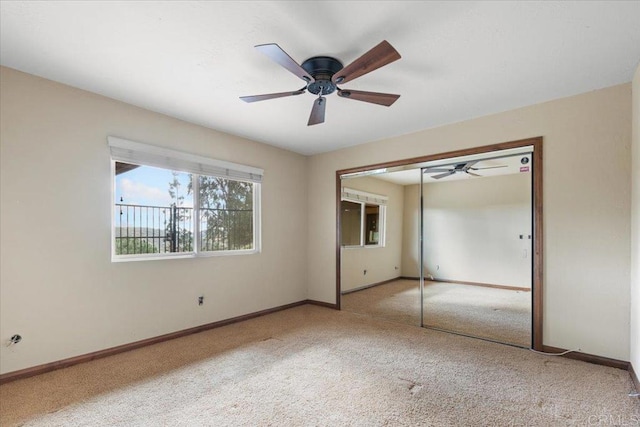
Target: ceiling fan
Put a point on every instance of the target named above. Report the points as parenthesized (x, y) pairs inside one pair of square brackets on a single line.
[(459, 168), (323, 74)]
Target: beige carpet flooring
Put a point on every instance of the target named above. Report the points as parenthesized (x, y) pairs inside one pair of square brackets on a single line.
[(313, 366), (497, 314)]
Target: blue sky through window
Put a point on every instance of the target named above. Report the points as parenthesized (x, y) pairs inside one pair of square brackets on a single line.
[(145, 191), (149, 186)]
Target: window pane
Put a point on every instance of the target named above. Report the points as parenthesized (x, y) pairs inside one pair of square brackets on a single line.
[(350, 223), (153, 210), (226, 214), (372, 224)]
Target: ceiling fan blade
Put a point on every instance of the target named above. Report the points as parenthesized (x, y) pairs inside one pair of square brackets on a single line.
[(436, 170), (489, 167), (379, 56), (442, 175), (317, 112), (474, 174), (385, 99), (468, 165), (278, 55), (254, 98)]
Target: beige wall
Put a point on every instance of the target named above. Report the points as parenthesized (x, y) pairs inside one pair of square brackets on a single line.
[(635, 227), (381, 263), (59, 289), (472, 230), (587, 184)]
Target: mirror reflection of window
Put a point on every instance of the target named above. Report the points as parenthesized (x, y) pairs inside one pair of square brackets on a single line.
[(372, 231), (350, 222)]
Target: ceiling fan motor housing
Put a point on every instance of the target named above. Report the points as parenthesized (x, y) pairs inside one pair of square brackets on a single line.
[(322, 68)]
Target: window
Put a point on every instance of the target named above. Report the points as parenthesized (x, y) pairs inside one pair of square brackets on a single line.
[(362, 218), (226, 214), (173, 204), (372, 220)]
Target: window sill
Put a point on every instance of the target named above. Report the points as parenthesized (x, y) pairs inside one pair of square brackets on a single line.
[(363, 247), (188, 255)]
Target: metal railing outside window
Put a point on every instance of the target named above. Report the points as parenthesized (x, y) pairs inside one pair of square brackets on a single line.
[(226, 229), (142, 229)]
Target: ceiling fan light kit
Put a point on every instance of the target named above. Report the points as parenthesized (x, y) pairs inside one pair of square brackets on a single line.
[(322, 74)]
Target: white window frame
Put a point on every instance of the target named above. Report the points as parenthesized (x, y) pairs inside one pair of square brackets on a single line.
[(126, 151), (363, 198)]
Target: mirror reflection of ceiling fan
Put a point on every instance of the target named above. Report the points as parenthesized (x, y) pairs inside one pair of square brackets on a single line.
[(459, 168)]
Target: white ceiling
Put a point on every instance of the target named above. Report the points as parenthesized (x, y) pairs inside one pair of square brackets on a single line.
[(192, 60)]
